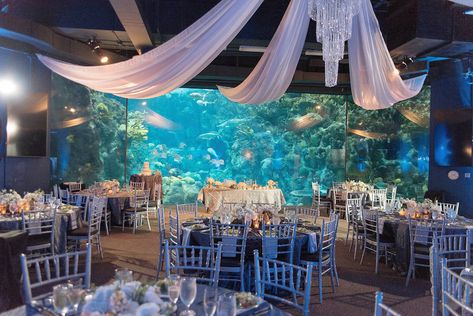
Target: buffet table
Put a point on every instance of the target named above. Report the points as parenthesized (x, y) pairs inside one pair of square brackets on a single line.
[(213, 198)]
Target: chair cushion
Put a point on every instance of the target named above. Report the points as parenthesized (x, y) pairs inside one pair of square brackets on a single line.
[(82, 231), (153, 204), (421, 249), (314, 257), (138, 210), (40, 239), (230, 262)]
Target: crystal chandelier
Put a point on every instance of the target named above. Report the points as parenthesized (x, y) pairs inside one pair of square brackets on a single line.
[(334, 24)]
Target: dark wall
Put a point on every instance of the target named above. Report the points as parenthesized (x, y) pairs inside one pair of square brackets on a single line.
[(451, 105), (30, 170)]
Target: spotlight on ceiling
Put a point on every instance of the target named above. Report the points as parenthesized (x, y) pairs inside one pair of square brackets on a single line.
[(96, 49)]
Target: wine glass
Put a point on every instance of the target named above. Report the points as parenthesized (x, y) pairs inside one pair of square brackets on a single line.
[(174, 289), (61, 300), (75, 293), (226, 305), (123, 275), (188, 294), (210, 301)]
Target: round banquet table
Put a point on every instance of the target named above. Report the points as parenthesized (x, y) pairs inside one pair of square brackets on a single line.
[(264, 309), (397, 227), (66, 220), (213, 197), (116, 202)]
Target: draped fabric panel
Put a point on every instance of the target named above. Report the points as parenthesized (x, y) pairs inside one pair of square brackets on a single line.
[(273, 74), (169, 65), (375, 81), (468, 3)]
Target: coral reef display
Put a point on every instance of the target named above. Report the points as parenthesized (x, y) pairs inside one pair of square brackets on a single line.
[(190, 135)]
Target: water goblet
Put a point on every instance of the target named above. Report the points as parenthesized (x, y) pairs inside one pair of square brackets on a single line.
[(61, 300), (75, 293), (434, 214), (188, 294), (226, 305), (210, 301), (174, 289), (123, 275)]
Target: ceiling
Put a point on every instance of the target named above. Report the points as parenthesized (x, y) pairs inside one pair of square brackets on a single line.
[(422, 29)]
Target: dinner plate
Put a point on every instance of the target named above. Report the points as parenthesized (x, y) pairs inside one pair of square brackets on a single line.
[(244, 310)]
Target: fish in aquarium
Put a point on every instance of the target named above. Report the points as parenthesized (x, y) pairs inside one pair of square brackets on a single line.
[(196, 95), (177, 158), (212, 151), (207, 157), (182, 145), (217, 162), (203, 103), (209, 135)]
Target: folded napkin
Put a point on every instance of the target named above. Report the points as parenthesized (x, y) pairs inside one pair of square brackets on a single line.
[(312, 243), (271, 247), (186, 234)]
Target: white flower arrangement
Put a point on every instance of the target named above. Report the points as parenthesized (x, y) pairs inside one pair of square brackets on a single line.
[(35, 196), (9, 197), (358, 186), (133, 298)]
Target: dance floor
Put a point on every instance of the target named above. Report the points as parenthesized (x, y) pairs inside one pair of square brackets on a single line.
[(354, 296)]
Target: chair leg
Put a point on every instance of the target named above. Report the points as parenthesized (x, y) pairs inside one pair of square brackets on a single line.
[(356, 247), (123, 222), (320, 284), (363, 253), (147, 219), (135, 222), (331, 280), (106, 223), (377, 260), (348, 234)]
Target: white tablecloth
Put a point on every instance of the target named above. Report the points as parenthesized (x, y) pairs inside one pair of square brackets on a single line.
[(213, 198)]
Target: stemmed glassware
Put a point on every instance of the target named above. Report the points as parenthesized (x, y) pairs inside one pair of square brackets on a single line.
[(174, 289), (210, 301), (61, 300), (123, 275), (226, 305), (188, 294)]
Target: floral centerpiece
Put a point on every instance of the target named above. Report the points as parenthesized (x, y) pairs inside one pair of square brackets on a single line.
[(210, 182), (10, 202), (106, 187), (132, 298), (358, 186), (409, 207), (31, 198), (272, 184)]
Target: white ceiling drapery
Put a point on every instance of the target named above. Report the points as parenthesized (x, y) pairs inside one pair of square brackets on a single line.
[(375, 81), (468, 3), (169, 65), (273, 74)]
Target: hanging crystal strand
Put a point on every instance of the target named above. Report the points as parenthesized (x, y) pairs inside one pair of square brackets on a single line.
[(334, 25)]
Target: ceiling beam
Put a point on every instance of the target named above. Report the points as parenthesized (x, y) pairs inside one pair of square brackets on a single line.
[(129, 14), (36, 38)]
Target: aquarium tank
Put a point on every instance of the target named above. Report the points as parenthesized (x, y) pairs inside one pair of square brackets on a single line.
[(192, 134)]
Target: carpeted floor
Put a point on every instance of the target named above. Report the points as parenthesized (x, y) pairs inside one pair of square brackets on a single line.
[(354, 296)]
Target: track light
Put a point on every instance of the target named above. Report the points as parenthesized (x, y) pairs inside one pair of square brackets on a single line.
[(96, 49)]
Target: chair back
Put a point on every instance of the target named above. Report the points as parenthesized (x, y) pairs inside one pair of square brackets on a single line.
[(233, 238), (140, 198), (378, 197), (56, 191), (96, 211), (315, 195), (197, 261), (354, 207), (174, 228), (370, 223), (421, 232), (187, 209), (277, 275), (308, 213), (278, 241), (328, 237), (444, 207), (339, 195), (380, 309), (158, 188), (457, 292), (455, 249), (47, 198), (40, 224), (161, 224), (48, 271), (137, 185), (391, 193), (64, 196), (75, 186)]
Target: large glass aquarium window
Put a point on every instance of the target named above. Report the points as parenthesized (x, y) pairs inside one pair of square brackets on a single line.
[(192, 134)]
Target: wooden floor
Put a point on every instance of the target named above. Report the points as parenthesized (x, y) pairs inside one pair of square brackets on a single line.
[(354, 296)]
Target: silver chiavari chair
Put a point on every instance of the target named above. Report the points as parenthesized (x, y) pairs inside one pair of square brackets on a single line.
[(380, 309), (48, 271), (378, 198), (74, 187), (162, 238), (174, 227), (308, 213), (457, 292), (196, 261), (139, 208), (137, 185), (352, 214), (448, 206), (41, 230), (189, 209), (455, 249)]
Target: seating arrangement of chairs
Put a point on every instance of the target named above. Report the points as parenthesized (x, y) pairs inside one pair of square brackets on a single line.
[(49, 270), (380, 309), (273, 276), (373, 240), (421, 236), (138, 210)]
